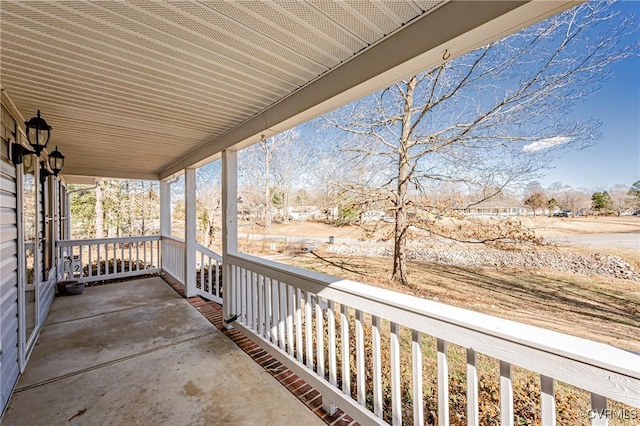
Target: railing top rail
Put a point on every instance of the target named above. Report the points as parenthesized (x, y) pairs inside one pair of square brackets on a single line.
[(92, 241), (173, 239), (398, 305), (208, 252)]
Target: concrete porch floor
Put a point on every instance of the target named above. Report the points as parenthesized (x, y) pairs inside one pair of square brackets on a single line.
[(136, 353)]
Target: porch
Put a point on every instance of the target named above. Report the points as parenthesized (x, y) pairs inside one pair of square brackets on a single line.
[(365, 349), (125, 106), (136, 352)]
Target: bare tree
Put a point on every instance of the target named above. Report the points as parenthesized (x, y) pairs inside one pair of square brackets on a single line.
[(99, 211), (272, 168), (621, 199), (487, 119), (209, 200)]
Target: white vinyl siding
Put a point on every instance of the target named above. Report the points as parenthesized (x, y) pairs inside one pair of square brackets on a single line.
[(9, 361)]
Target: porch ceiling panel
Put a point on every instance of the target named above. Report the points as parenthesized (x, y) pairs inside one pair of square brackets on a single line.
[(141, 88)]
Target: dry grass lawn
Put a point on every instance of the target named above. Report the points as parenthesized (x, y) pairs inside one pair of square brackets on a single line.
[(596, 308), (603, 310)]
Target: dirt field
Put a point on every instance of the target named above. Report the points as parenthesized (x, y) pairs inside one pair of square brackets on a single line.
[(606, 310), (542, 225), (565, 226)]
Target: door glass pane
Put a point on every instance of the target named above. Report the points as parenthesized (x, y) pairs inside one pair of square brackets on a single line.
[(30, 217)]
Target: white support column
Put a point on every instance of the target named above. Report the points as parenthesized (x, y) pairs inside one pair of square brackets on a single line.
[(229, 224), (190, 231), (54, 192), (165, 209)]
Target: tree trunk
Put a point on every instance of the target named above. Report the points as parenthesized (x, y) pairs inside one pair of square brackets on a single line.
[(401, 202), (99, 213), (267, 192), (207, 234)]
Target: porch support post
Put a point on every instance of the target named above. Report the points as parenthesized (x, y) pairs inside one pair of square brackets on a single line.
[(165, 209), (229, 225), (54, 193), (190, 231)]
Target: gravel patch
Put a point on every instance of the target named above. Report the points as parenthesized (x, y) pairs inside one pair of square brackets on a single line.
[(604, 265)]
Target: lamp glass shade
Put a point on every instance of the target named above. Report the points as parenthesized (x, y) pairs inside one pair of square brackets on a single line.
[(56, 161), (38, 132)]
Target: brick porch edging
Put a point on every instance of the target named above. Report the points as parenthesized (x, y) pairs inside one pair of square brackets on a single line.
[(298, 387)]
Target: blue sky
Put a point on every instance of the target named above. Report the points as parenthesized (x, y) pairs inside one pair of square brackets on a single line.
[(615, 158)]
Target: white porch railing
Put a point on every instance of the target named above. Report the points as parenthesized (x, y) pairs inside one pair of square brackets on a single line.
[(109, 258), (313, 322), (173, 250), (209, 274)]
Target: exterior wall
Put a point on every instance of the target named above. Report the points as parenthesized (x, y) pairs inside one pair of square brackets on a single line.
[(14, 351), (9, 361)]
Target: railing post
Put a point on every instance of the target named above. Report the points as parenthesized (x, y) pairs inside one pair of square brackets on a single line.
[(165, 209), (229, 223), (190, 232), (165, 220)]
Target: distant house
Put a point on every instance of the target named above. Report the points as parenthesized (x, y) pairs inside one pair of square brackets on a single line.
[(376, 216), (304, 213), (495, 209)]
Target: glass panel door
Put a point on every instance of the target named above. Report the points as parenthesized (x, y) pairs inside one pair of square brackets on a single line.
[(30, 232)]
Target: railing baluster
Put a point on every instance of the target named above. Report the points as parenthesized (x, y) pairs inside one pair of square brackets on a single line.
[(210, 277), (283, 316), (89, 268), (202, 286), (360, 373), (137, 256), (122, 257), (396, 396), (267, 307), (290, 312), (344, 336), (506, 394), (443, 384), (319, 339), (235, 289), (598, 412), (331, 328), (217, 281), (472, 388), (299, 348), (262, 316), (97, 259), (144, 250), (416, 356), (308, 326), (275, 320), (250, 308), (81, 265), (377, 365), (246, 298), (131, 266), (254, 301), (115, 259), (547, 400)]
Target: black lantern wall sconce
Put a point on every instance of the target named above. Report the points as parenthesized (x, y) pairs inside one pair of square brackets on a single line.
[(56, 163), (38, 133)]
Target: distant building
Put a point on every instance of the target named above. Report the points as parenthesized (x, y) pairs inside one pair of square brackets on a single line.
[(495, 209), (376, 216), (304, 213)]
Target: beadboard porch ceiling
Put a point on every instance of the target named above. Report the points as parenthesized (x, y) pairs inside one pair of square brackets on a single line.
[(142, 89)]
